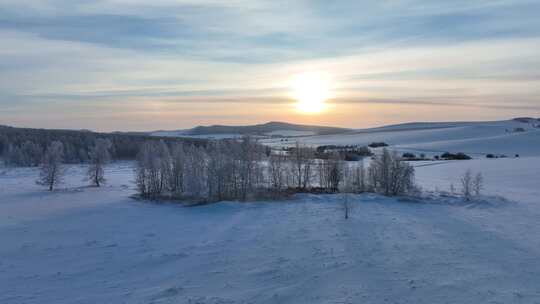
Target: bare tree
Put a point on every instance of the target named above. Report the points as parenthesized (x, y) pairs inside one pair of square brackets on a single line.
[(196, 172), (164, 163), (52, 171), (360, 177), (147, 172), (303, 159), (346, 205), (142, 174), (467, 185), (99, 157), (176, 178), (221, 170), (478, 183), (277, 170), (331, 172), (354, 177), (249, 163), (389, 175)]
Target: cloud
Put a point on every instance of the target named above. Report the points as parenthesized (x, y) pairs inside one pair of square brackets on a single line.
[(132, 52)]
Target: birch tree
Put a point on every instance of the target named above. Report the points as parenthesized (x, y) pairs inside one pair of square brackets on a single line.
[(52, 171), (302, 160), (277, 171), (478, 184), (178, 167), (99, 157), (467, 185), (389, 175)]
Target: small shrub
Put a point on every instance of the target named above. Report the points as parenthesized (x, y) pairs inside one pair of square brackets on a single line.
[(408, 155), (471, 185)]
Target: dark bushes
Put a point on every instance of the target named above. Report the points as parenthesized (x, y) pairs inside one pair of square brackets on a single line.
[(378, 145), (457, 156)]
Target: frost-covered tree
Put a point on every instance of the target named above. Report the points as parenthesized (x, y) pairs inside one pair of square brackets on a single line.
[(196, 173), (99, 156), (163, 158), (178, 164), (51, 171), (250, 169), (389, 175), (31, 154), (277, 170), (221, 169), (467, 185), (355, 178), (331, 172), (346, 206), (478, 183), (147, 171), (303, 162)]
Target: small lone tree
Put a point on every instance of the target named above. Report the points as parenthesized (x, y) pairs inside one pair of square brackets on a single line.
[(51, 171), (346, 206), (478, 184), (99, 157), (467, 185)]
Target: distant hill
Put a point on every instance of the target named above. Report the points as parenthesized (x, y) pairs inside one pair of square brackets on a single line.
[(270, 128), (519, 136)]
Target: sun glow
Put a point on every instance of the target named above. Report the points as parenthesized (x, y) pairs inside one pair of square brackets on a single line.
[(311, 90)]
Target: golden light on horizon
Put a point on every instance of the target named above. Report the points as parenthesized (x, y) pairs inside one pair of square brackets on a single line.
[(311, 90)]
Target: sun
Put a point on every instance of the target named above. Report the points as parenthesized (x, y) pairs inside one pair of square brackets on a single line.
[(310, 90)]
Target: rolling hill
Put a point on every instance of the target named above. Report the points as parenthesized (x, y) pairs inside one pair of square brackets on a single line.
[(273, 128)]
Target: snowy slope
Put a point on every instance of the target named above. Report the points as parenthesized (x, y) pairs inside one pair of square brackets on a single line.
[(87, 245), (290, 133), (272, 128), (517, 179), (471, 137)]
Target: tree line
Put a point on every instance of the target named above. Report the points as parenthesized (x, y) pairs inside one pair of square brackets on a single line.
[(246, 170), (26, 147), (204, 170)]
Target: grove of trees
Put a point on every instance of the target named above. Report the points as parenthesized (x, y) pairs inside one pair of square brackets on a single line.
[(243, 170)]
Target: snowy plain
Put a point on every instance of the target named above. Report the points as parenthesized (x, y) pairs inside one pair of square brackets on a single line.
[(98, 245), (90, 245)]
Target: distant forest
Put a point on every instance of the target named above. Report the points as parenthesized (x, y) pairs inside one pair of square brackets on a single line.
[(25, 146)]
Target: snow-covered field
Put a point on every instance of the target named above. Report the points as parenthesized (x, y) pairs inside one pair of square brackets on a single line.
[(89, 245), (476, 138)]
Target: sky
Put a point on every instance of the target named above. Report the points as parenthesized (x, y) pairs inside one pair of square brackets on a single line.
[(139, 65)]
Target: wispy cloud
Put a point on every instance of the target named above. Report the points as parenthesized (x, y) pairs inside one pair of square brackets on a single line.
[(131, 52)]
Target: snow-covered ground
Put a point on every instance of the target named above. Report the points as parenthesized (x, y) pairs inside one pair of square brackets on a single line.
[(203, 136), (88, 245), (290, 133)]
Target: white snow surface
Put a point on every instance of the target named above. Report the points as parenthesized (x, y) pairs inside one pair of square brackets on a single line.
[(202, 136), (290, 133), (97, 245)]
